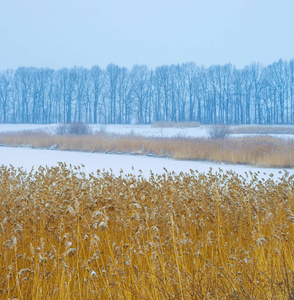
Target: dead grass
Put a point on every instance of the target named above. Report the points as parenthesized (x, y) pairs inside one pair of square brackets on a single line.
[(188, 236), (259, 151)]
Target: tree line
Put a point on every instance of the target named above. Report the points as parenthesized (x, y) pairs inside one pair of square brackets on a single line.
[(187, 92)]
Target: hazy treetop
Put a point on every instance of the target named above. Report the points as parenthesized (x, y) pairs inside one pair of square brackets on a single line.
[(64, 33)]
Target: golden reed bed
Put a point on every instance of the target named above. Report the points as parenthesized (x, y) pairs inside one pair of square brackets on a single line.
[(65, 235), (259, 151)]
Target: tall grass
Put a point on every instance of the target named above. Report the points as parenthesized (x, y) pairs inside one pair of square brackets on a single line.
[(260, 151), (65, 235)]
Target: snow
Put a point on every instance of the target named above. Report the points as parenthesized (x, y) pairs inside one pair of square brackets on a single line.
[(28, 158), (142, 130), (32, 127), (149, 131)]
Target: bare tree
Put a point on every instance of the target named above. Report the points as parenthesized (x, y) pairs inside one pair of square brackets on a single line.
[(98, 81), (24, 76), (6, 86), (186, 92), (112, 77), (140, 76)]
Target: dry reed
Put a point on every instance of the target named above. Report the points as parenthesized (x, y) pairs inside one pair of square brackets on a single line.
[(259, 151), (65, 235)]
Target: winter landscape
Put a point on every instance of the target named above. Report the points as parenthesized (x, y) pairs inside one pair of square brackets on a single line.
[(128, 161), (146, 150)]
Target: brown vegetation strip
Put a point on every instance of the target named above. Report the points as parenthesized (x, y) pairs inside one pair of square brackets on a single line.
[(189, 236), (259, 151)]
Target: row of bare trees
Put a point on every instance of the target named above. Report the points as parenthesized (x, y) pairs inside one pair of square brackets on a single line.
[(187, 92)]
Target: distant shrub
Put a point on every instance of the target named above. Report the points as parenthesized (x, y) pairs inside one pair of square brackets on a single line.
[(61, 129), (219, 131), (74, 129), (102, 127), (79, 129)]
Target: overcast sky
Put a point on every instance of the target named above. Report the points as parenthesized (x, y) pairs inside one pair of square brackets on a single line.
[(64, 33)]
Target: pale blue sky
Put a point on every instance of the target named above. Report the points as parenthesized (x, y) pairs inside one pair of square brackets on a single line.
[(64, 33)]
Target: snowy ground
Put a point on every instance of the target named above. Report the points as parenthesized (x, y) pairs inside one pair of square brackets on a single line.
[(20, 127), (28, 158), (142, 130)]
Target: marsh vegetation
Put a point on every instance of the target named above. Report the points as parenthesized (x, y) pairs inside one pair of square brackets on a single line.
[(65, 235)]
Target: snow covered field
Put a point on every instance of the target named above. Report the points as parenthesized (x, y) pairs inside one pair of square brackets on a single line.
[(28, 158), (142, 130), (20, 127)]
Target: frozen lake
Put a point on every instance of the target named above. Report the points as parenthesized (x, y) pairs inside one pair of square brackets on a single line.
[(28, 158)]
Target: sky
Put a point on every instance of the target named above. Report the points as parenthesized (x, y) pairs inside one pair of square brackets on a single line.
[(67, 33)]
